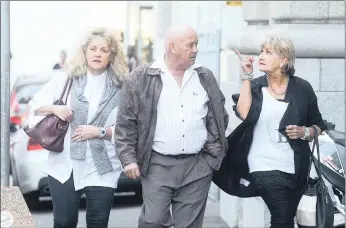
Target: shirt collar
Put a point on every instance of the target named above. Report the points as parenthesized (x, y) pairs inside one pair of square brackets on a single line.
[(159, 63)]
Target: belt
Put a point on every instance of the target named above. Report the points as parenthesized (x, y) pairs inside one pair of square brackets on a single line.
[(177, 156)]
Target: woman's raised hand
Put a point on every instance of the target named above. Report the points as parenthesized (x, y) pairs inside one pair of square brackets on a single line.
[(246, 63)]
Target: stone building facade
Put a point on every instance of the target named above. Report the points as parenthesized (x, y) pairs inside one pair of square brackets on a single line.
[(317, 29)]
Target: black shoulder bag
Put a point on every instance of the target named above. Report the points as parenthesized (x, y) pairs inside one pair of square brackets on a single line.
[(315, 209)]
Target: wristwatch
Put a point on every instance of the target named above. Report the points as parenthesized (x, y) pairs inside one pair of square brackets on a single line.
[(103, 132), (306, 132)]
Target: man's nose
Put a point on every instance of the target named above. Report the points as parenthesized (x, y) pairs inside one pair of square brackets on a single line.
[(195, 49)]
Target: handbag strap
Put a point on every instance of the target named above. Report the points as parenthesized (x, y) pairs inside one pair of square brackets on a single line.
[(69, 84), (313, 159)]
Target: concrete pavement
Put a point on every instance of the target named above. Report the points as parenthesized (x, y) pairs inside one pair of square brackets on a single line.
[(124, 214)]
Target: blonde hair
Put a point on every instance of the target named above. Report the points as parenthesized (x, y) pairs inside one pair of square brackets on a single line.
[(283, 46), (117, 67)]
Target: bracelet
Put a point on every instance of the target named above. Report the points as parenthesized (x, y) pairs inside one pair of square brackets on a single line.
[(247, 76)]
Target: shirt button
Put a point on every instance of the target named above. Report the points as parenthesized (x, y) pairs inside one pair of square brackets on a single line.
[(183, 135), (182, 105), (182, 150), (183, 120)]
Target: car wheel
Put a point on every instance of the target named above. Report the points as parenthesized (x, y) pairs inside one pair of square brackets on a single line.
[(32, 200), (14, 175)]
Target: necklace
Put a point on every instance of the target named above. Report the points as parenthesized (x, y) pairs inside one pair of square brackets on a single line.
[(276, 93)]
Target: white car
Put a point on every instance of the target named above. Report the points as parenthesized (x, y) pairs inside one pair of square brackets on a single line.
[(26, 155), (27, 160)]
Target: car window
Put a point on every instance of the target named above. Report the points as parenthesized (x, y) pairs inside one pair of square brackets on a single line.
[(331, 154), (25, 94), (341, 150), (338, 136)]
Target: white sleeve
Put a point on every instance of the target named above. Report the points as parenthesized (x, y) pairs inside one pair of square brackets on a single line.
[(47, 95), (110, 123), (112, 139)]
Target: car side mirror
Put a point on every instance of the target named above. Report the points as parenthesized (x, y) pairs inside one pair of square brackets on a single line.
[(330, 125)]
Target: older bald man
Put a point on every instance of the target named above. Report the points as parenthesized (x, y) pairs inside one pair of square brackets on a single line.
[(170, 132)]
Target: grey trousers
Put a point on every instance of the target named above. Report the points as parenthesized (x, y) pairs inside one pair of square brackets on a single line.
[(180, 183)]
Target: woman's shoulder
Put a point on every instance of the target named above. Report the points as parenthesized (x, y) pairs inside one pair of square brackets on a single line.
[(302, 83), (261, 80), (56, 82), (59, 77), (258, 82)]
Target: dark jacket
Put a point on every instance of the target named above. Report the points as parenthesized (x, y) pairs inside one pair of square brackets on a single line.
[(137, 116), (302, 110)]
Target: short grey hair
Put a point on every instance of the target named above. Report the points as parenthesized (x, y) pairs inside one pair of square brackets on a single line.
[(283, 46)]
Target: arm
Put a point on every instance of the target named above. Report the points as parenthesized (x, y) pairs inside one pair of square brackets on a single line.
[(314, 118), (89, 131), (111, 123), (213, 145), (109, 134), (223, 101), (225, 114), (46, 110), (109, 127), (41, 104), (225, 118), (86, 132), (314, 115), (312, 133), (245, 99), (125, 133)]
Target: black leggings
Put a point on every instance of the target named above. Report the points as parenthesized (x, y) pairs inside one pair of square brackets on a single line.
[(279, 193), (66, 200)]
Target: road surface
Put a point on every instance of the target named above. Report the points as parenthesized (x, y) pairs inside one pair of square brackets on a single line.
[(124, 214)]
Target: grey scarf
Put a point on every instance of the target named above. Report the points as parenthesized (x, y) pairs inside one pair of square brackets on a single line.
[(80, 106)]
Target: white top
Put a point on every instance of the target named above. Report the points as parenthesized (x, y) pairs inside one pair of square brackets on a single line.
[(60, 165), (181, 112), (270, 149)]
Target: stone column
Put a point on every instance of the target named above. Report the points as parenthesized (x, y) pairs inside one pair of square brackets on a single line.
[(318, 33), (163, 11)]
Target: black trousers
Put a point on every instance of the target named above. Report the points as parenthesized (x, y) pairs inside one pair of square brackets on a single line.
[(66, 201), (279, 192)]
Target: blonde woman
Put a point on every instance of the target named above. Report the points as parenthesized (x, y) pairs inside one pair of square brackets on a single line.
[(269, 151), (88, 163)]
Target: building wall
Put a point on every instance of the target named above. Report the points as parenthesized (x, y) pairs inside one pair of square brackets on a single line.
[(318, 33)]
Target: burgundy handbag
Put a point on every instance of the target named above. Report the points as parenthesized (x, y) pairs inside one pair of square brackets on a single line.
[(50, 132)]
